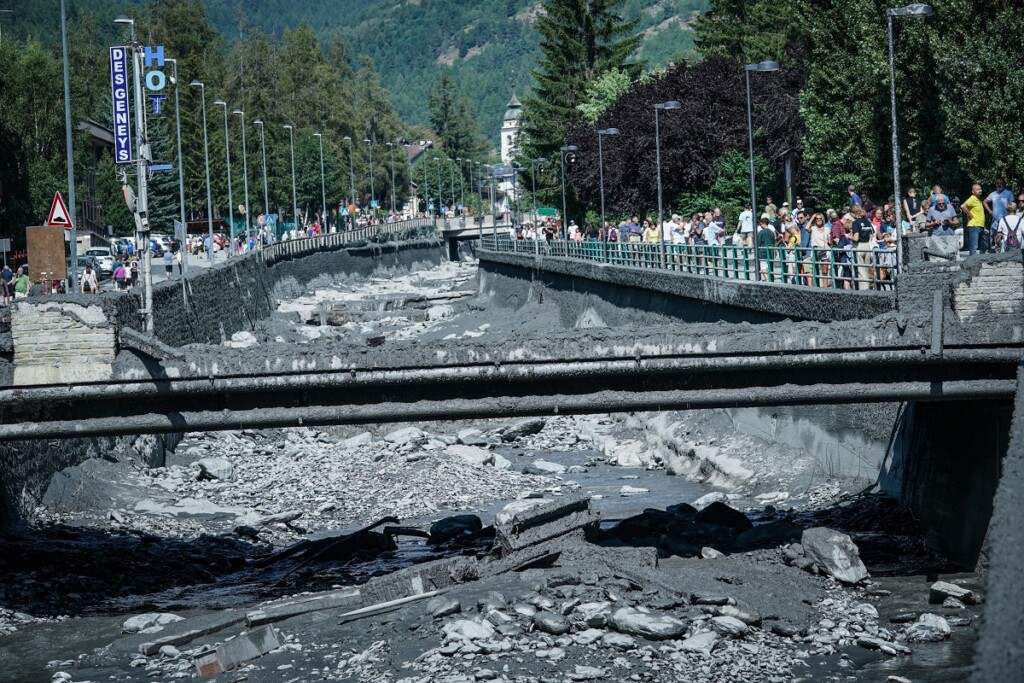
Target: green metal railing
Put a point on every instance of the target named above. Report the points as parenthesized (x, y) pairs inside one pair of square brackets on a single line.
[(832, 268)]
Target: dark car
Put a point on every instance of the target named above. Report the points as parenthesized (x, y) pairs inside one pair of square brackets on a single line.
[(175, 244), (155, 247)]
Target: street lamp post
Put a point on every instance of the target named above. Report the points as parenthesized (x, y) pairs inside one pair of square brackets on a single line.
[(206, 155), (671, 104), (462, 186), (566, 150), (245, 176), (600, 169), (323, 185), (373, 192), (263, 148), (451, 177), (516, 218), (181, 168), (352, 183), (533, 189), (915, 10), (227, 155), (760, 66), (72, 274), (391, 156), (295, 203)]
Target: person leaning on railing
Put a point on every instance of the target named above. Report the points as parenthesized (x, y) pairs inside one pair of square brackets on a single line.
[(765, 245)]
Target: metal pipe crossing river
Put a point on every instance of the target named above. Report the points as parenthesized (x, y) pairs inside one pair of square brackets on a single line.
[(502, 389)]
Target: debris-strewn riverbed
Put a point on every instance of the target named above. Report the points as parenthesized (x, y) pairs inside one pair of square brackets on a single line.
[(647, 547)]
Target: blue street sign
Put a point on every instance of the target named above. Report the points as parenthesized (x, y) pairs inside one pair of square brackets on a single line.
[(430, 206), (122, 112), (161, 167), (374, 204), (344, 211)]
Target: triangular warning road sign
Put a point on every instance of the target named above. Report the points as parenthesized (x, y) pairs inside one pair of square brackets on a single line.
[(59, 215)]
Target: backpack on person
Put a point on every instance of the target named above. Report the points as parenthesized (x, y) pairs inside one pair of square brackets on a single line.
[(1012, 234)]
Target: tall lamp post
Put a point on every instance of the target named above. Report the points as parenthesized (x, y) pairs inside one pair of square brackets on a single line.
[(564, 153), (323, 185), (760, 66), (72, 274), (516, 219), (206, 155), (227, 155), (263, 148), (373, 192), (671, 104), (533, 182), (914, 10), (245, 174), (391, 156), (451, 178), (462, 185), (181, 169), (600, 169), (352, 183), (295, 203)]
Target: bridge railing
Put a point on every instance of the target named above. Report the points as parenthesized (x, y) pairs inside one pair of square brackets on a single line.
[(829, 267), (297, 247)]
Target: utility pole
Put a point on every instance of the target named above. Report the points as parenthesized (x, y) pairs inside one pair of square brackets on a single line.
[(73, 236)]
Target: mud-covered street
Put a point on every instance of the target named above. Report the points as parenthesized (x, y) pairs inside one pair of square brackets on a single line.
[(650, 546)]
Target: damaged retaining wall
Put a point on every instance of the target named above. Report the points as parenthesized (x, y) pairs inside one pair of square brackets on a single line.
[(234, 296)]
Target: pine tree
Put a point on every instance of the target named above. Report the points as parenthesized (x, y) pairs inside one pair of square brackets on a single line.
[(580, 41)]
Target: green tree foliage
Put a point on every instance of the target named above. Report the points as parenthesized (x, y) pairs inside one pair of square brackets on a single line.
[(453, 119), (958, 78), (602, 93), (580, 40)]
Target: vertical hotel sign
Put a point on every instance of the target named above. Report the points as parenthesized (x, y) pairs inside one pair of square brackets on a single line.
[(122, 113)]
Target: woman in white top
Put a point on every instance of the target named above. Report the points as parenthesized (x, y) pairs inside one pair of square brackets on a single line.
[(819, 248), (1011, 227), (90, 285)]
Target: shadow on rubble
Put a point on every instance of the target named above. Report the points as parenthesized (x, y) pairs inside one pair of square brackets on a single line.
[(74, 571), (890, 540)]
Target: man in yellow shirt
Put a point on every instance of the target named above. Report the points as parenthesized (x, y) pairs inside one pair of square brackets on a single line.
[(975, 211)]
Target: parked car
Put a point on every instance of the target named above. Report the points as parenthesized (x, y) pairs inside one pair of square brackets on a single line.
[(155, 247), (104, 260)]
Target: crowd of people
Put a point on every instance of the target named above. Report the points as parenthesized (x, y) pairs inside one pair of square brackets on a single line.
[(850, 248)]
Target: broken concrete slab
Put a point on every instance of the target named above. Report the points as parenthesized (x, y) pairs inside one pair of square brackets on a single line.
[(231, 654), (292, 608), (419, 579), (940, 590), (544, 522)]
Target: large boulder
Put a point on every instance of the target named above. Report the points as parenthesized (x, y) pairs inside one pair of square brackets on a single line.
[(834, 553), (216, 467), (721, 514), (942, 590), (649, 626), (454, 527), (407, 435), (149, 622), (929, 628), (527, 427), (544, 468), (508, 513), (471, 455)]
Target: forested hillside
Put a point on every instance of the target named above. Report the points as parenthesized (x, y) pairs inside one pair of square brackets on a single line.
[(487, 46)]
